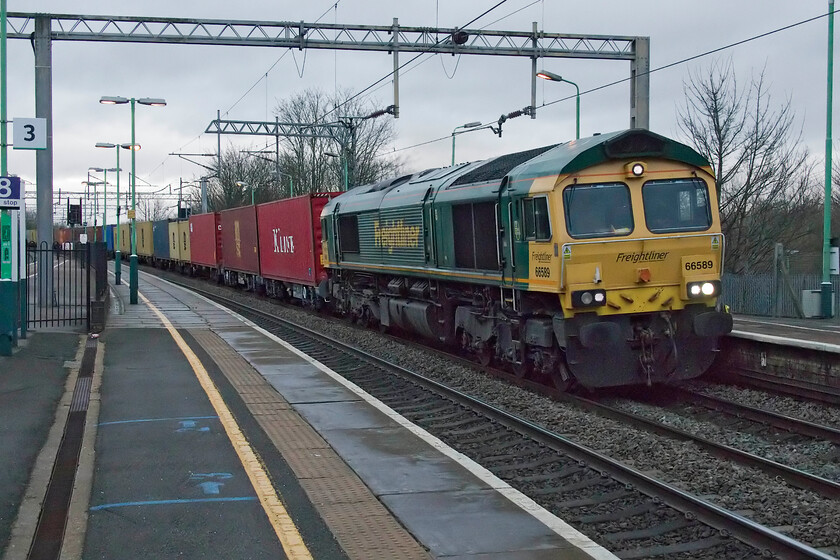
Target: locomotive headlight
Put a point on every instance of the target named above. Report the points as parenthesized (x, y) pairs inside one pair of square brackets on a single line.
[(703, 289), (634, 169), (589, 298)]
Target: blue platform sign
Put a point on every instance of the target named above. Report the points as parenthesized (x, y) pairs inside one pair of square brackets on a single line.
[(10, 193)]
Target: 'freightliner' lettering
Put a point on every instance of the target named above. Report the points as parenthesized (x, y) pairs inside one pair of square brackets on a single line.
[(650, 256)]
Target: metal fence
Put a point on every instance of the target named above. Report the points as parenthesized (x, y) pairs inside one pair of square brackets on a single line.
[(772, 295), (61, 283)]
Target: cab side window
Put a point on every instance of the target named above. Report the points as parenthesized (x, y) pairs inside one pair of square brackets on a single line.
[(536, 223)]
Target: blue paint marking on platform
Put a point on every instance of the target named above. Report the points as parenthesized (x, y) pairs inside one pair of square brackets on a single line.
[(191, 426), (211, 484), (141, 420), (170, 502)]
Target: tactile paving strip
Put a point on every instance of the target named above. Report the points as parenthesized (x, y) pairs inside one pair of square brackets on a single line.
[(361, 524)]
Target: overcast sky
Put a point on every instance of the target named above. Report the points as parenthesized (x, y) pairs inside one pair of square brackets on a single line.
[(435, 97)]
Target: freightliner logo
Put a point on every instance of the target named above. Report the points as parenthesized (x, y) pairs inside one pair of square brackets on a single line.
[(650, 256)]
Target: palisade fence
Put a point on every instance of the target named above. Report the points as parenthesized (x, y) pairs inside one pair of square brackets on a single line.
[(772, 295), (63, 282)]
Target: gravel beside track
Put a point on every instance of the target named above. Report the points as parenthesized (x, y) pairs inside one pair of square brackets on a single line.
[(803, 515), (812, 456), (815, 412)]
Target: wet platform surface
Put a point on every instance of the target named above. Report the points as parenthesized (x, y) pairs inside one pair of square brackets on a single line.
[(811, 334), (358, 480)]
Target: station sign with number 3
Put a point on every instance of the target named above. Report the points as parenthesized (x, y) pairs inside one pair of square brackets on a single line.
[(30, 134)]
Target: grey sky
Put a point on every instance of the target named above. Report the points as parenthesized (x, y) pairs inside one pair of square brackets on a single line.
[(198, 80)]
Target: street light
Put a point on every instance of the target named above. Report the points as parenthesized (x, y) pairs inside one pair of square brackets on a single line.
[(104, 183), (552, 77), (246, 185), (330, 154), (468, 125), (117, 252), (152, 102)]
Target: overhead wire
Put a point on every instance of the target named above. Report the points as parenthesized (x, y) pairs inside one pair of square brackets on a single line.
[(696, 56), (401, 66), (657, 69)]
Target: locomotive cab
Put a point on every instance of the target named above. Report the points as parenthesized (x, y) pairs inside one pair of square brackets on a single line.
[(641, 253)]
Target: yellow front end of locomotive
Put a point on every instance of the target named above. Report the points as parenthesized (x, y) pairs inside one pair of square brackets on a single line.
[(639, 237)]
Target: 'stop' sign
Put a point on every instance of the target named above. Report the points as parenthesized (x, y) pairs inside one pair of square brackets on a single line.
[(10, 192)]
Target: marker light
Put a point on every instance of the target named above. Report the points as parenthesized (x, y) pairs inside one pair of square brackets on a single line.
[(589, 298), (634, 169), (695, 290)]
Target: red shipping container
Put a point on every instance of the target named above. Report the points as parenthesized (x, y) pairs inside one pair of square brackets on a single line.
[(206, 239), (290, 238), (239, 240)]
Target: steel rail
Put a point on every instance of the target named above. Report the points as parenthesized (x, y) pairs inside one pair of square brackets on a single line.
[(729, 523), (788, 387), (781, 421)]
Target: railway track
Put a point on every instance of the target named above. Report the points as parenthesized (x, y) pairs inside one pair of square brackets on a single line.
[(624, 509), (787, 387), (796, 477)]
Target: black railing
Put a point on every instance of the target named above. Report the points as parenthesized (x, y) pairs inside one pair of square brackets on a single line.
[(99, 262), (58, 285)]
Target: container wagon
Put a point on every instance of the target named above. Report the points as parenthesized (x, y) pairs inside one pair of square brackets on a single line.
[(290, 245), (205, 241), (240, 262)]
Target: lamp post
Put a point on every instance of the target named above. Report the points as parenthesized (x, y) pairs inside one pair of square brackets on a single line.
[(104, 183), (330, 154), (153, 102), (291, 183), (825, 286), (246, 185), (467, 125), (552, 77), (117, 252)]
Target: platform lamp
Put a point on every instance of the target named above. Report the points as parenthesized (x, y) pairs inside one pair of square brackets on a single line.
[(552, 77), (153, 102), (246, 185), (117, 252), (104, 171), (344, 162)]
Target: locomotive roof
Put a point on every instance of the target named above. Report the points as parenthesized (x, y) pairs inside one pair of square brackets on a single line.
[(557, 159), (576, 155)]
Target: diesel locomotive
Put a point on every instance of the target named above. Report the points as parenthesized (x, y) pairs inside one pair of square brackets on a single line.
[(594, 262)]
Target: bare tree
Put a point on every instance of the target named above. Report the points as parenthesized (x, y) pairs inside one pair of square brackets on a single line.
[(357, 143), (151, 208), (763, 176), (239, 176)]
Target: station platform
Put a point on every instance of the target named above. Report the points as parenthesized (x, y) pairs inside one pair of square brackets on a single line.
[(205, 436), (809, 334)]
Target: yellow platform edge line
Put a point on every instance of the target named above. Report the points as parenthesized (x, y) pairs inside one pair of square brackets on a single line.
[(278, 516)]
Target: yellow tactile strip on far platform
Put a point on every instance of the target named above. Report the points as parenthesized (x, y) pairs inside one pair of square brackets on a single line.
[(360, 523)]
